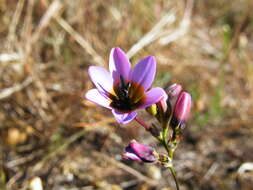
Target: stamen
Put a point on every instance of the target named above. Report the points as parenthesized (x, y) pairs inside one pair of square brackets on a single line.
[(122, 82), (128, 96), (124, 89)]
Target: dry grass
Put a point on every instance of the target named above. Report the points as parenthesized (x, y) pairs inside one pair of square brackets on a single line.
[(48, 131)]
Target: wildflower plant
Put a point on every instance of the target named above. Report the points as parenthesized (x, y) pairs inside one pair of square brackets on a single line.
[(125, 90)]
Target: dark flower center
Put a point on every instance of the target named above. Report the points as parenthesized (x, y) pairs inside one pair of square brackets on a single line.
[(129, 96)]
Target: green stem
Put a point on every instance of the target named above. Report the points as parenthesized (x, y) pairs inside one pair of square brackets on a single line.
[(163, 140), (165, 145), (170, 150), (171, 154), (173, 172), (164, 137)]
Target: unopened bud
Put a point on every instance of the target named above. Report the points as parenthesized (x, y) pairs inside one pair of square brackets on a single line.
[(139, 152), (174, 90), (181, 110), (152, 110)]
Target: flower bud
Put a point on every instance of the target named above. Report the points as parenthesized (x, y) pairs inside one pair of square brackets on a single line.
[(139, 152), (152, 110), (163, 108), (181, 110), (163, 102), (173, 90)]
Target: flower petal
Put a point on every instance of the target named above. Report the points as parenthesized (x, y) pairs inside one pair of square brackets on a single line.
[(144, 72), (130, 156), (119, 65), (124, 118), (153, 96), (144, 152), (101, 79), (96, 97)]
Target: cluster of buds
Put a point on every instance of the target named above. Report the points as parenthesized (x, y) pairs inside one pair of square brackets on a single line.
[(173, 108), (181, 102), (172, 112)]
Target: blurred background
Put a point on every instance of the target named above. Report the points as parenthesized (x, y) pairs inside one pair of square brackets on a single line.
[(51, 138)]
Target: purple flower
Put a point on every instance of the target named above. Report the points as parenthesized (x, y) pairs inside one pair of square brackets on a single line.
[(124, 90), (139, 152), (181, 110)]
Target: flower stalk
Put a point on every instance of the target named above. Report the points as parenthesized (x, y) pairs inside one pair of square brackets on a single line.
[(142, 123), (173, 173)]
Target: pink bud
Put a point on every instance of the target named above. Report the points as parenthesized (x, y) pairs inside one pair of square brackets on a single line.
[(183, 106), (182, 109), (174, 90), (139, 152)]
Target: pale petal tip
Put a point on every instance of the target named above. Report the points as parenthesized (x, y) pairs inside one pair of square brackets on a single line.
[(92, 68), (97, 98), (152, 59), (124, 118), (116, 50)]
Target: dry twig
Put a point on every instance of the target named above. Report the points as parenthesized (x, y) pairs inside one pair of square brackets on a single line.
[(26, 32), (81, 41), (152, 35), (7, 57), (126, 168), (51, 12), (183, 28), (4, 93), (158, 30), (15, 19), (210, 172), (69, 141), (14, 179)]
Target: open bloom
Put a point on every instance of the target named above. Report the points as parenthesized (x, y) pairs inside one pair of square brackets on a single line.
[(124, 90), (139, 152)]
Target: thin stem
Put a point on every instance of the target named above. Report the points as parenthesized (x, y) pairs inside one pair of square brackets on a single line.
[(164, 137), (173, 172), (142, 123), (165, 144), (170, 151), (165, 132)]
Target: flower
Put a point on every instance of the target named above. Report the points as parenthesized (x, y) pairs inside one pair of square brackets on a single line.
[(124, 90), (181, 110), (139, 152)]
